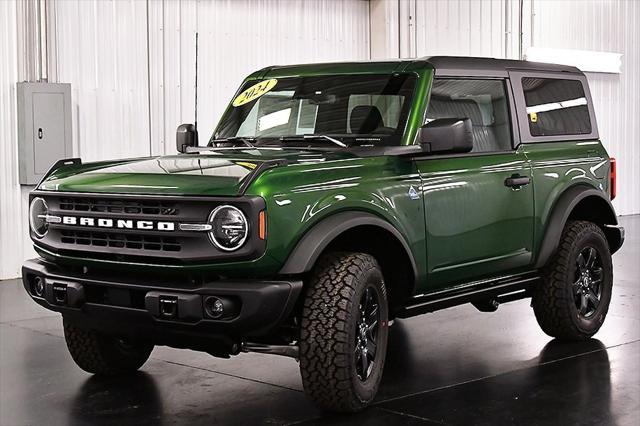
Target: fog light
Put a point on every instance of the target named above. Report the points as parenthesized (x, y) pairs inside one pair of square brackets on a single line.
[(217, 309), (214, 307), (38, 286)]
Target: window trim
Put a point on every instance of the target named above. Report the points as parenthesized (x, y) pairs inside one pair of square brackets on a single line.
[(521, 107), (513, 127)]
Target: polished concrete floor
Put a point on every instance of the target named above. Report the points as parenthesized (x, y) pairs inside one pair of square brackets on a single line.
[(457, 366)]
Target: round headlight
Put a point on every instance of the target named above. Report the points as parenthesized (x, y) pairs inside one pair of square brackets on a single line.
[(38, 211), (229, 228)]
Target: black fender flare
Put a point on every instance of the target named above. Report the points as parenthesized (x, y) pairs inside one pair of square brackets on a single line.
[(563, 207), (315, 241)]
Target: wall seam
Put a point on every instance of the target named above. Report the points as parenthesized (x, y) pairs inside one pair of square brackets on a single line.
[(149, 83)]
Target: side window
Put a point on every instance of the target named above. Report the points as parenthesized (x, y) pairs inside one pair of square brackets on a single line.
[(484, 102), (556, 107)]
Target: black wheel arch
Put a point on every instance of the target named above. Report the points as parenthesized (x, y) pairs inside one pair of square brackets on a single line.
[(579, 202), (359, 231)]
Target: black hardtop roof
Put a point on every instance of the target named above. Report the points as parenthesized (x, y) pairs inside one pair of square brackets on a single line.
[(471, 63), (443, 65)]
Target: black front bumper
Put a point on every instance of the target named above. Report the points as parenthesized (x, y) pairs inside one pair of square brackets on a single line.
[(173, 315)]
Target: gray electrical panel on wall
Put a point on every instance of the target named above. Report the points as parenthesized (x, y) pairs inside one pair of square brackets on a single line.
[(44, 128)]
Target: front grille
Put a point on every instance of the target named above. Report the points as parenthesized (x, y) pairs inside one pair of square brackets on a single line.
[(120, 240), (129, 207), (132, 243)]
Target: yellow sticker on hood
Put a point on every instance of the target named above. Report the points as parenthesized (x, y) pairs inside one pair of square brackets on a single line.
[(254, 92)]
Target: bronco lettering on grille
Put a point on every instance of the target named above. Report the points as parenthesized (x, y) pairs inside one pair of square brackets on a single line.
[(118, 223)]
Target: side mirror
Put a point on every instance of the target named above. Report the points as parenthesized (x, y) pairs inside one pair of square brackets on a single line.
[(186, 137), (447, 135)]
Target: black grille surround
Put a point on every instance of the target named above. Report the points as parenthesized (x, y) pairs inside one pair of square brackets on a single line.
[(168, 246)]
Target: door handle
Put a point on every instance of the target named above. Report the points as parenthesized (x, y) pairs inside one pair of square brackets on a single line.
[(516, 181)]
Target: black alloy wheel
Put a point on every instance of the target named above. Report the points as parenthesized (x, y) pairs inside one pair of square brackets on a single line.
[(366, 336), (587, 287)]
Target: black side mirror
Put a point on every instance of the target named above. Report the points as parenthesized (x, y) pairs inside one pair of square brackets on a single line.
[(186, 137), (447, 135)]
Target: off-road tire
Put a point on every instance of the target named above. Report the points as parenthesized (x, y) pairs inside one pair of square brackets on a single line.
[(328, 332), (553, 300), (104, 355)]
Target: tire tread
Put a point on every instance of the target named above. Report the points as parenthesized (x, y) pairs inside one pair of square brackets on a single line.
[(97, 354)]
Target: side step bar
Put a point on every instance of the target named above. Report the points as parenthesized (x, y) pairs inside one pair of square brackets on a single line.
[(501, 290), (291, 351)]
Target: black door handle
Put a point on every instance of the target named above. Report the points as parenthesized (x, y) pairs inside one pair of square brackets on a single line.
[(516, 181)]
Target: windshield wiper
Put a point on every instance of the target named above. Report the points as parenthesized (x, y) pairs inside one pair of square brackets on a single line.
[(306, 137), (245, 141), (236, 139)]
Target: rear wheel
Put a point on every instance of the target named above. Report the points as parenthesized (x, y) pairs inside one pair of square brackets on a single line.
[(344, 332), (573, 299), (105, 355)]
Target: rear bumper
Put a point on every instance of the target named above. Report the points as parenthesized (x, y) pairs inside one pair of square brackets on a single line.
[(163, 314)]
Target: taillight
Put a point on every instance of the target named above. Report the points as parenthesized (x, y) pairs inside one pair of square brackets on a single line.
[(612, 178)]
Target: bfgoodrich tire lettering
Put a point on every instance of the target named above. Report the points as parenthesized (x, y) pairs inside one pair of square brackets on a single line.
[(559, 309), (329, 333), (104, 355)]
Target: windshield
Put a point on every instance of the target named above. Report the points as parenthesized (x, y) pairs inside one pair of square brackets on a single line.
[(338, 110)]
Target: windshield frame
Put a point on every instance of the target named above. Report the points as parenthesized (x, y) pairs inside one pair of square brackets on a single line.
[(412, 80)]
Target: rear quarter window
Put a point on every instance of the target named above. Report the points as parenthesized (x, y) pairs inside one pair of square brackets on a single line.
[(556, 107)]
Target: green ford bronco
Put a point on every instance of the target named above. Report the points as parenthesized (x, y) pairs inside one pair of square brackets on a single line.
[(330, 200)]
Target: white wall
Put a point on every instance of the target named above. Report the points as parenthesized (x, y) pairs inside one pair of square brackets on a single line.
[(131, 68), (9, 191), (465, 28), (415, 28), (13, 211), (101, 49)]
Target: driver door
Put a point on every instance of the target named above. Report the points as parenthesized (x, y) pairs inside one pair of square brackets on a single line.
[(478, 225)]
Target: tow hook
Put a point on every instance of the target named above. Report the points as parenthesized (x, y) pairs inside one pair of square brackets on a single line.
[(60, 294), (168, 307), (174, 306), (65, 293)]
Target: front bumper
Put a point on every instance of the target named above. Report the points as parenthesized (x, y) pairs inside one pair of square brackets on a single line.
[(159, 311)]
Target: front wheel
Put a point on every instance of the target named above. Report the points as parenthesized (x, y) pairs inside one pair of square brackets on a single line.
[(573, 299), (344, 331), (104, 355)]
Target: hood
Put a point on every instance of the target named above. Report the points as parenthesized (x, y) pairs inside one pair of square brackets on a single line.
[(226, 172)]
